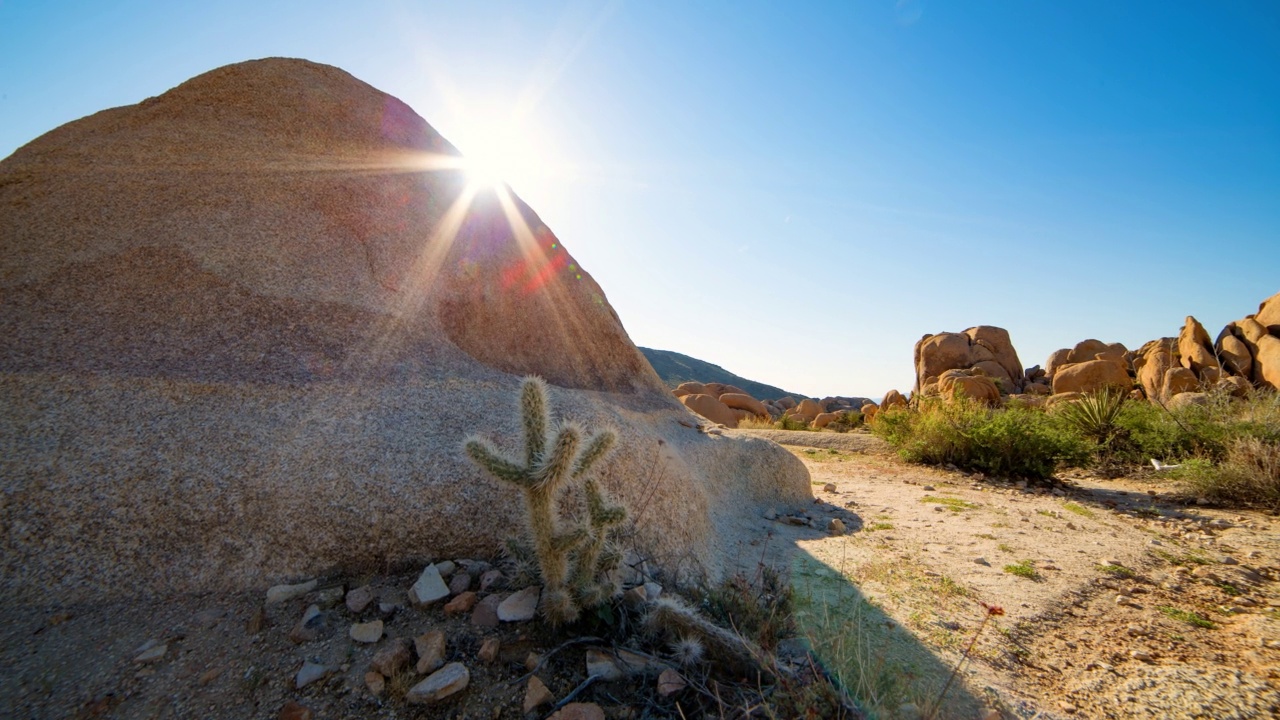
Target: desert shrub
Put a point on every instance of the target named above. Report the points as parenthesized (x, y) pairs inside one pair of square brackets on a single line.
[(1249, 474), (791, 423), (1016, 441)]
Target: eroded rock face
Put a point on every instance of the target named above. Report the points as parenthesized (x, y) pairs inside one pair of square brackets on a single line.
[(1091, 376), (245, 326), (954, 385), (1195, 348)]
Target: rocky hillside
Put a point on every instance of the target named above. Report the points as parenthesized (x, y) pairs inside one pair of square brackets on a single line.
[(675, 369)]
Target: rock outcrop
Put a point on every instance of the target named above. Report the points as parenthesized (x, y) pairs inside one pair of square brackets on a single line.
[(982, 350), (246, 325)]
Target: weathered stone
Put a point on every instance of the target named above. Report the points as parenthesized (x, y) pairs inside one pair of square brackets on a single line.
[(280, 593), (741, 401), (359, 599), (463, 603), (369, 632), (1195, 347), (602, 665), (430, 647), (309, 627), (491, 579), (1268, 315), (956, 384), (520, 606), (489, 650), (459, 583), (327, 597), (835, 526), (309, 673), (429, 587), (1092, 376), (446, 681), (485, 613), (1234, 352), (1187, 399), (808, 409), (376, 683), (536, 694), (1178, 380), (825, 419), (446, 568), (690, 388), (295, 711), (670, 683), (393, 658), (151, 652)]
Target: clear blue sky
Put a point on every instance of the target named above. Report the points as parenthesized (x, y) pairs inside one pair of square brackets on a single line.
[(797, 191)]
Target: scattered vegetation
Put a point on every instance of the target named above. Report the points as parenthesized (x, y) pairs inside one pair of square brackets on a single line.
[(878, 526), (950, 503), (1187, 616), (1228, 448), (1078, 509), (1023, 569), (1119, 571)]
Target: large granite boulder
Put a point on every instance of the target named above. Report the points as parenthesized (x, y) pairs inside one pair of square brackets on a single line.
[(984, 348), (1195, 349), (246, 325)]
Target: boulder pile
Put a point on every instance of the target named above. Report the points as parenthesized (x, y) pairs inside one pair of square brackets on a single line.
[(729, 405)]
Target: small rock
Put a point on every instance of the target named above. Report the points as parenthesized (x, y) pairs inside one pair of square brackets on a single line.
[(393, 658), (600, 664), (1228, 560), (430, 647), (531, 661), (209, 676), (150, 652), (459, 583), (461, 604), (1122, 600), (370, 632), (652, 590), (328, 597), (474, 568), (429, 588), (489, 650), (670, 683), (310, 673), (1109, 562), (446, 568), (771, 514), (295, 711), (309, 627), (982, 561), (835, 526), (485, 613), (1068, 708), (929, 488), (636, 596), (387, 609), (446, 681), (359, 599), (520, 606), (579, 711), (1140, 655), (829, 487), (536, 695), (375, 682), (489, 579), (280, 593)]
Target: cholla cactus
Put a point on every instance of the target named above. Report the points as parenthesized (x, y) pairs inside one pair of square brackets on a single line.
[(684, 626), (594, 576), (551, 459)]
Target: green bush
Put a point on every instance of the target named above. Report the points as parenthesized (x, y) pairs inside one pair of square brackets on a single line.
[(1016, 441), (1248, 475)]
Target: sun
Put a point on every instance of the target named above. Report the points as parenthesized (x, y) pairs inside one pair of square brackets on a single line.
[(498, 156)]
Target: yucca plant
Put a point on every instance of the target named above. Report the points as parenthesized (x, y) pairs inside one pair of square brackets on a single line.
[(1094, 416)]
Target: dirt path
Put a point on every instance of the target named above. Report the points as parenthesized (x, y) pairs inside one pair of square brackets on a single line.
[(1117, 603)]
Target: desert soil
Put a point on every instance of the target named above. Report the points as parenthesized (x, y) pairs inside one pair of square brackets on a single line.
[(1123, 604)]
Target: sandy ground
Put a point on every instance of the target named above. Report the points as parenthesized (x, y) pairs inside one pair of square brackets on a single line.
[(1116, 603)]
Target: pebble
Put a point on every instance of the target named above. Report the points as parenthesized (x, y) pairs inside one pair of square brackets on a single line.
[(150, 652), (359, 599), (461, 604), (1228, 560), (489, 650), (579, 711), (771, 514), (982, 561), (295, 711), (310, 673), (328, 597), (375, 682), (929, 488), (446, 681), (393, 658), (670, 683), (485, 613), (835, 526), (459, 583), (489, 579), (520, 606), (430, 647), (429, 588), (446, 568), (309, 627), (829, 487), (536, 695), (281, 593), (1140, 655), (600, 664), (370, 632)]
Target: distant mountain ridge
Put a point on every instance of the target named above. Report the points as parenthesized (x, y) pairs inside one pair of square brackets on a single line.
[(675, 368)]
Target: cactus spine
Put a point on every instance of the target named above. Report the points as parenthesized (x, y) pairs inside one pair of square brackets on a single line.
[(550, 461)]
